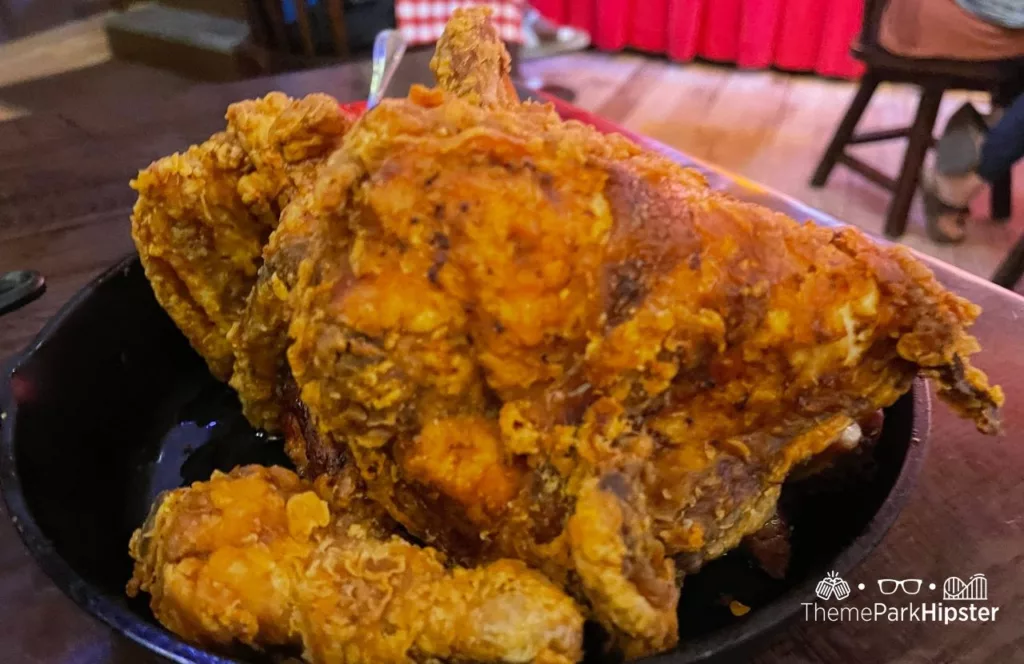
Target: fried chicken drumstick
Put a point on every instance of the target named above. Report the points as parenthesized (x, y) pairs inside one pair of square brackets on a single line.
[(534, 341), (256, 557)]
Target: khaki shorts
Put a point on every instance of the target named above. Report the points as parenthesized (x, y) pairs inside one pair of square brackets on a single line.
[(941, 29)]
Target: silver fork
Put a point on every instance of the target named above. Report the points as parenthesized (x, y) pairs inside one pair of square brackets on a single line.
[(388, 49)]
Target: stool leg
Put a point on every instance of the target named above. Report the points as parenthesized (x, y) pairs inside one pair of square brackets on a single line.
[(1002, 195), (845, 129), (1011, 269), (913, 159)]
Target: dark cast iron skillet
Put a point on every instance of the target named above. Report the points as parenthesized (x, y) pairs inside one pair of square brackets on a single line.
[(110, 406)]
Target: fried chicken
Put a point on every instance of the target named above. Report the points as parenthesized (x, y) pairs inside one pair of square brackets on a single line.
[(471, 62), (203, 216), (257, 558), (540, 342), (522, 339)]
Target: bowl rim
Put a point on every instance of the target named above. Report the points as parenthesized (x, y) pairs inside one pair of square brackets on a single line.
[(86, 595), (159, 640)]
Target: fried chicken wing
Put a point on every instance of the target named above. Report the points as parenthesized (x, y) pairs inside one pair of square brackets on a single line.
[(471, 62), (203, 216), (256, 557)]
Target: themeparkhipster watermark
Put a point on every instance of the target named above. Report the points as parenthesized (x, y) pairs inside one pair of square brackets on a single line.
[(962, 601)]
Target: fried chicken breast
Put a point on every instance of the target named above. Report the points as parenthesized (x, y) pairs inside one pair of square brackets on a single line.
[(549, 344)]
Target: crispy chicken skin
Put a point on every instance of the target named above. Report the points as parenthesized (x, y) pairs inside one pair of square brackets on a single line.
[(203, 216), (257, 557), (529, 308), (471, 62), (260, 339), (519, 338)]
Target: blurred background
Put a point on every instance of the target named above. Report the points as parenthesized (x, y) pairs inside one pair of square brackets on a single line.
[(758, 87)]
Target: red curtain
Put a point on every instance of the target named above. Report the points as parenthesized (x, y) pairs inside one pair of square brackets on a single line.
[(799, 35)]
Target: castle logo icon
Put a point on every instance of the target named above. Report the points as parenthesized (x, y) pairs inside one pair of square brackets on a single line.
[(832, 586), (976, 589)]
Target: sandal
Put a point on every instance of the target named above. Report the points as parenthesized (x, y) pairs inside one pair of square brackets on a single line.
[(936, 211)]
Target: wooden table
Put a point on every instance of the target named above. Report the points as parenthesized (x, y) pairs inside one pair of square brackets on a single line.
[(64, 205)]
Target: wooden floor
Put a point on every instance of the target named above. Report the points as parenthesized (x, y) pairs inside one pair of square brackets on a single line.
[(765, 126), (74, 45), (26, 17)]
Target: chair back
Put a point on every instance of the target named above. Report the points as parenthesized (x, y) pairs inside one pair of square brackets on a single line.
[(873, 10), (314, 29)]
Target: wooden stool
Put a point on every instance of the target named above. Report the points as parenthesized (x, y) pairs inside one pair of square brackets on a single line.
[(933, 77)]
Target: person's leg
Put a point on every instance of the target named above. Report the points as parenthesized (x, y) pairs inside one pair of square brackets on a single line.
[(968, 158), (1005, 143), (949, 183), (942, 29)]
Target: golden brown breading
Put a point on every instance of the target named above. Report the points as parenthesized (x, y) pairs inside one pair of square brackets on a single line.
[(503, 312), (535, 341), (256, 557), (203, 216), (471, 62), (198, 242), (260, 338)]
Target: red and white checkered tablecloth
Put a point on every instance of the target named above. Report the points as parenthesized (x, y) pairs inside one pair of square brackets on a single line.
[(422, 21)]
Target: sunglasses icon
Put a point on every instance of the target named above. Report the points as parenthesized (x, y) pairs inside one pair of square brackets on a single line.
[(908, 586)]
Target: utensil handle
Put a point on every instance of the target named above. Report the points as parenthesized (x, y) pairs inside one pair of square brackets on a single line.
[(18, 288), (388, 49)]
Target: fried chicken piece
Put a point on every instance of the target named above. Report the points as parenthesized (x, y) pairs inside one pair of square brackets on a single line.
[(203, 216), (198, 242), (257, 558), (471, 62), (261, 375), (535, 341), (457, 465), (522, 330)]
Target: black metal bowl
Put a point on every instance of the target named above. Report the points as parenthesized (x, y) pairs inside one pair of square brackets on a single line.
[(109, 406)]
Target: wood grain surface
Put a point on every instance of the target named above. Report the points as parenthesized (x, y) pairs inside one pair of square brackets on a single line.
[(64, 205)]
